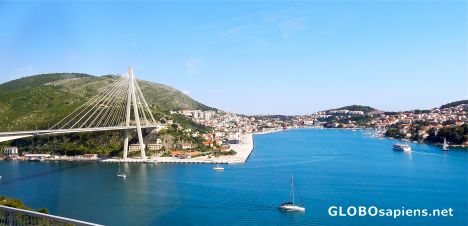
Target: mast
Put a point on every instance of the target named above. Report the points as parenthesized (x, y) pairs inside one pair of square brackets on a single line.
[(292, 188)]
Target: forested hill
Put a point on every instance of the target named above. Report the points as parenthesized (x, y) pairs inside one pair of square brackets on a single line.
[(454, 104), (365, 109), (42, 100)]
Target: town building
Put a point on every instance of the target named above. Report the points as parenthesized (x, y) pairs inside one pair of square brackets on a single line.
[(10, 151)]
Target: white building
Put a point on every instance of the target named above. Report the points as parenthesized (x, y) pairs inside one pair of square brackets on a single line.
[(155, 147), (10, 151), (37, 155), (135, 147)]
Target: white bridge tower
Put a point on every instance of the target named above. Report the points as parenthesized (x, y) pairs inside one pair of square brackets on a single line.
[(132, 103)]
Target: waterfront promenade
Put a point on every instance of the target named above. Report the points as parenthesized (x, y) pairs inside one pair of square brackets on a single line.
[(243, 151)]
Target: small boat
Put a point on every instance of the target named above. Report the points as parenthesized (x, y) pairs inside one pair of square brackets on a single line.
[(121, 174), (33, 159), (291, 206), (218, 167), (445, 146), (402, 147)]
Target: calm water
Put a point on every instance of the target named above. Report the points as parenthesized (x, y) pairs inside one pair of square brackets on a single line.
[(331, 167)]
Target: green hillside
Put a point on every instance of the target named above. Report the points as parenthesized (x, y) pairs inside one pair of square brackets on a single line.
[(365, 109), (454, 104), (42, 100)]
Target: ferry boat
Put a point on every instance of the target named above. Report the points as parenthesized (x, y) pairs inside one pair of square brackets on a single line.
[(401, 147), (291, 206), (445, 145), (218, 167)]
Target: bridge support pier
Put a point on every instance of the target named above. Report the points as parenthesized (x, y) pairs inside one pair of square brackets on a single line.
[(126, 138)]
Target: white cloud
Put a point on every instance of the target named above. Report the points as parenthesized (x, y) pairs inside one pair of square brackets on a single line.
[(193, 66), (186, 92), (287, 27)]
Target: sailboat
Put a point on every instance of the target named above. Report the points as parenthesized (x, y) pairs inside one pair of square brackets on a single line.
[(120, 173), (445, 146), (291, 206)]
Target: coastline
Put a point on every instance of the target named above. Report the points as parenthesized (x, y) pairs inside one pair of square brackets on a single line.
[(457, 146), (243, 151)]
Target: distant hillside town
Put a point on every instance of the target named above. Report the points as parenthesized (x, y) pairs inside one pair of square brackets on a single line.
[(426, 126)]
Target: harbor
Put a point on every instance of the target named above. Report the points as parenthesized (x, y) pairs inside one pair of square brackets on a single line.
[(242, 194)]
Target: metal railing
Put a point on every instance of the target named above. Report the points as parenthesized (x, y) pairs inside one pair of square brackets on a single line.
[(17, 217)]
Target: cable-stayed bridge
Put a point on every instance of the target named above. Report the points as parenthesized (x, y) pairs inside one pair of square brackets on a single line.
[(118, 106)]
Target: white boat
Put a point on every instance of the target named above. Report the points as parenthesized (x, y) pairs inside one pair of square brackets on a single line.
[(445, 146), (120, 173), (401, 147), (291, 206), (218, 167)]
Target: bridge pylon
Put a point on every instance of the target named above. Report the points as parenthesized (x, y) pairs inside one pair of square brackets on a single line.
[(110, 109), (133, 104)]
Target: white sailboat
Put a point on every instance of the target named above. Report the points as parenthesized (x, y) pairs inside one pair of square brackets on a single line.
[(445, 146), (120, 173), (291, 206)]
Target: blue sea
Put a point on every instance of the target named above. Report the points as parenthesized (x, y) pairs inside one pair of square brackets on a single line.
[(330, 168)]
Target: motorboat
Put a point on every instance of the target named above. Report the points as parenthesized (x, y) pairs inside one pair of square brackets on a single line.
[(402, 147), (218, 167)]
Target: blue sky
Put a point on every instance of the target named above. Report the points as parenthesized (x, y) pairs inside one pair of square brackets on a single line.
[(264, 57)]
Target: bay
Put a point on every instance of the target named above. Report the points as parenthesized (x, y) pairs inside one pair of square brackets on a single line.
[(330, 167)]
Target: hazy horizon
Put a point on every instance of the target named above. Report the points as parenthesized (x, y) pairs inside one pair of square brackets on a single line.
[(288, 58)]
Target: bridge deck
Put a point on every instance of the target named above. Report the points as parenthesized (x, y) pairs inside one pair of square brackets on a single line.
[(5, 136)]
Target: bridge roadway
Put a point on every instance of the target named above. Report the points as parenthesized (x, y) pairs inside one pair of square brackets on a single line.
[(6, 136)]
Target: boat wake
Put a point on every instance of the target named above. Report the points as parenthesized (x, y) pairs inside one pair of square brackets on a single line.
[(437, 155), (327, 158)]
